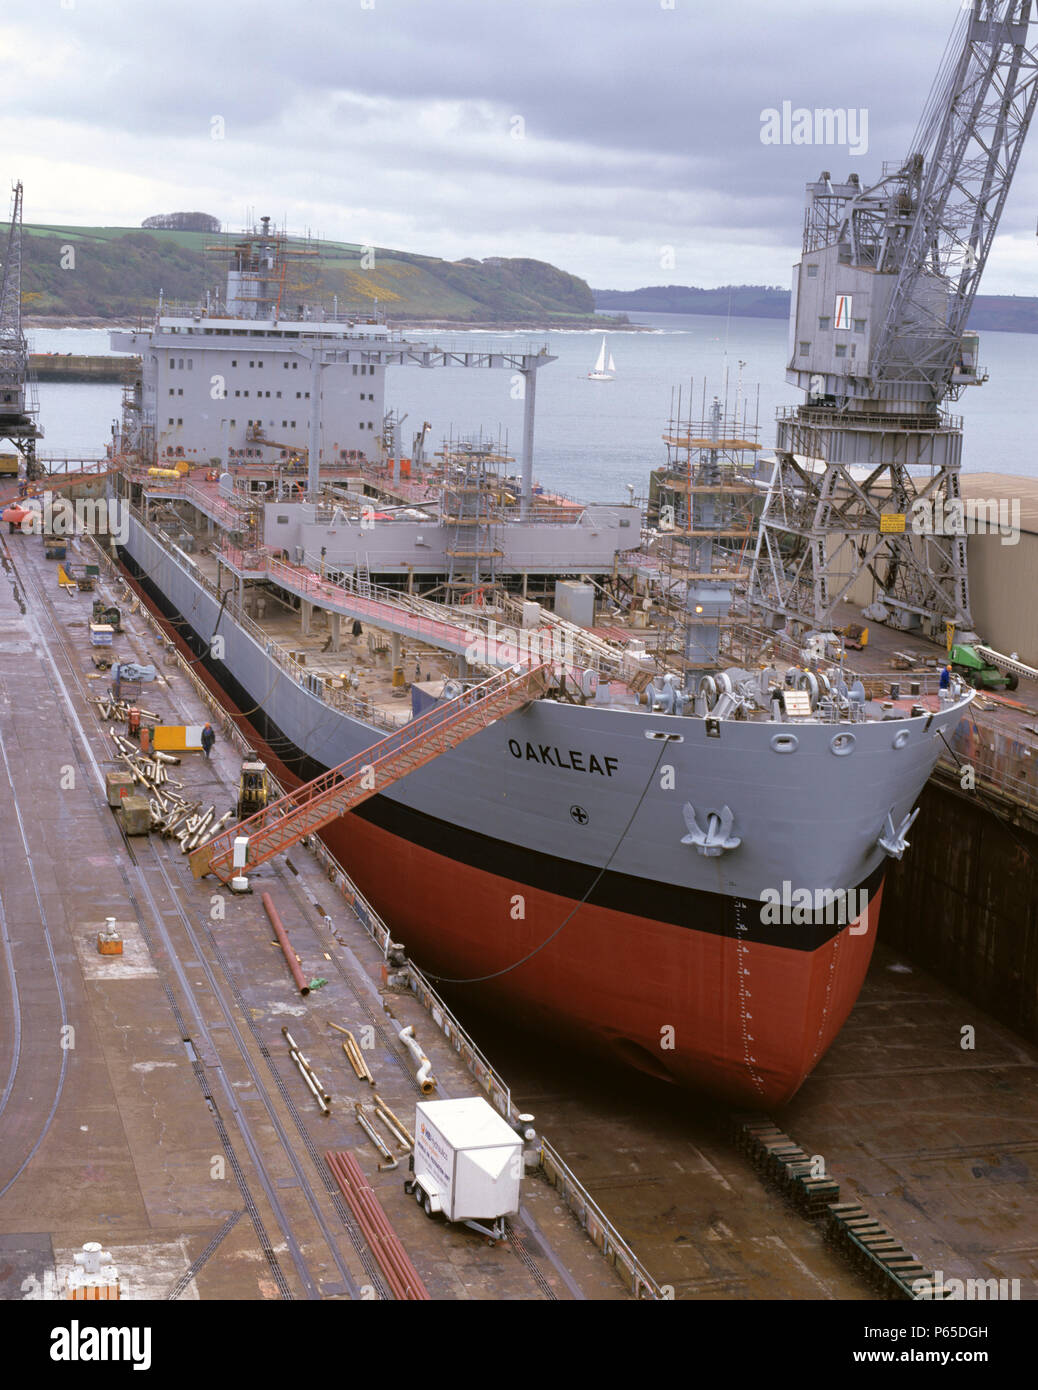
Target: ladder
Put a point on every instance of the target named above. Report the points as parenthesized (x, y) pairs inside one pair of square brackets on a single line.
[(316, 804)]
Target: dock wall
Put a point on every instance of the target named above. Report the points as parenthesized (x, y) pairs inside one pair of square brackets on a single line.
[(963, 904)]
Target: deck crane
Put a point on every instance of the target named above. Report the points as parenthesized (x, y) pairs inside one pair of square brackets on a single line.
[(18, 404), (867, 467)]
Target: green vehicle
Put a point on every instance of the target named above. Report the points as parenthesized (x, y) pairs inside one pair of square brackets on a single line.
[(965, 662)]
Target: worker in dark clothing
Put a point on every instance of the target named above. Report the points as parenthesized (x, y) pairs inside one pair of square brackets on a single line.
[(357, 630), (945, 681), (208, 739)]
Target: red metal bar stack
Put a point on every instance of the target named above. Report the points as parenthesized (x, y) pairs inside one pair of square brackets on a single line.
[(403, 1279)]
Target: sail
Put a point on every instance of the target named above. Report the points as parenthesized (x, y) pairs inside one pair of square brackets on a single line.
[(600, 362), (612, 364)]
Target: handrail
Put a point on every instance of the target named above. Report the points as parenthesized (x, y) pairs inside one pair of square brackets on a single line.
[(310, 807), (362, 710)]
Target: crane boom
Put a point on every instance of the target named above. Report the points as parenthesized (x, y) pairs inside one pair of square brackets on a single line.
[(18, 408), (956, 183)]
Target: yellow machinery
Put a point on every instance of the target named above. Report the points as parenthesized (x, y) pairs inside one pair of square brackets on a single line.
[(253, 787)]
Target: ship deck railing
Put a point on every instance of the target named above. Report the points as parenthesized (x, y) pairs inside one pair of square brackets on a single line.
[(355, 706)]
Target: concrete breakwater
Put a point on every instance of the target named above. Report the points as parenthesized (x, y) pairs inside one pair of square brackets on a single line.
[(77, 367)]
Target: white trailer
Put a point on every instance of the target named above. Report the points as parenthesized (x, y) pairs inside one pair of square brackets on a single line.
[(468, 1163)]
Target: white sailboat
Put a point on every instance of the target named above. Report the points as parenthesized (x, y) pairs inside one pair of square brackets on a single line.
[(602, 372)]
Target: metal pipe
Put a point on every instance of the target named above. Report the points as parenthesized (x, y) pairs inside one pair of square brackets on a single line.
[(325, 1110), (286, 945), (305, 1062), (199, 830), (380, 1104), (352, 1191), (396, 1134), (217, 827), (401, 1275), (356, 1058), (373, 1135), (424, 1075)]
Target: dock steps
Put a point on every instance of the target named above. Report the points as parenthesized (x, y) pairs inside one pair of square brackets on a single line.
[(873, 1251), (316, 804), (785, 1164)]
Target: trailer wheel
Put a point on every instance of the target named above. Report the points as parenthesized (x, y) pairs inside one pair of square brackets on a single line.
[(419, 1195), (427, 1204), (1011, 681)]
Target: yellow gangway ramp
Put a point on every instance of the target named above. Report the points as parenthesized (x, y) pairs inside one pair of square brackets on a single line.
[(316, 804)]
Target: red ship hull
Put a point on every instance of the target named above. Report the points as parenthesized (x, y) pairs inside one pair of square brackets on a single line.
[(739, 1018), (705, 1006)]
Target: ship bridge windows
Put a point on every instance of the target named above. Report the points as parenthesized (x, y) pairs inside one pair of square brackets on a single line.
[(824, 321), (805, 348), (812, 272), (859, 325)]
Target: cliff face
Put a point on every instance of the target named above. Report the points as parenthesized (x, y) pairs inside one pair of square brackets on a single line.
[(117, 273)]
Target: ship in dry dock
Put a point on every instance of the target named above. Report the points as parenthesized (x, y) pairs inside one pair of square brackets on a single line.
[(597, 859)]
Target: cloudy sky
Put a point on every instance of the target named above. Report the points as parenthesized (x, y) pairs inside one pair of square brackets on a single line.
[(619, 139)]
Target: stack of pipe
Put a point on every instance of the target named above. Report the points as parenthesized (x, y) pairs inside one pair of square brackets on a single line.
[(400, 1274), (308, 1074), (171, 814), (354, 1055), (396, 1127), (111, 708), (373, 1134)]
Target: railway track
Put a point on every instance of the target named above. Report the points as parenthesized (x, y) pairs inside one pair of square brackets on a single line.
[(11, 796), (230, 1054)]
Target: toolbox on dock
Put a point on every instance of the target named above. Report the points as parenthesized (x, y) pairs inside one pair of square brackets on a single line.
[(100, 635)]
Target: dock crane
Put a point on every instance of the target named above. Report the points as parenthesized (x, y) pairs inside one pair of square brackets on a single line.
[(880, 342), (18, 404)]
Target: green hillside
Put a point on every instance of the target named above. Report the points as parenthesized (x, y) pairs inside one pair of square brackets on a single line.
[(117, 272)]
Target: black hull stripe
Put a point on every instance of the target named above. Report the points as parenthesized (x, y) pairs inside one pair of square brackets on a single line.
[(639, 897)]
